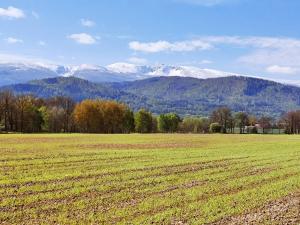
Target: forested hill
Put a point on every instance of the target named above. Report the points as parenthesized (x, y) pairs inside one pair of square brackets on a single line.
[(177, 94)]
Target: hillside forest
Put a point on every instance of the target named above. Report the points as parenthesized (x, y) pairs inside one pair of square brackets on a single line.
[(29, 114)]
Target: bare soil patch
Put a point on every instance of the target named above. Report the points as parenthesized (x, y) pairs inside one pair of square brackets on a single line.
[(284, 211)]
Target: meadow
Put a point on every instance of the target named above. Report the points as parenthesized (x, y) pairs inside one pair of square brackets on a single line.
[(149, 179)]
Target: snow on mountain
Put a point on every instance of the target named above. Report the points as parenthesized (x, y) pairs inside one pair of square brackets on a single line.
[(21, 72), (100, 74), (123, 68), (188, 71), (166, 70)]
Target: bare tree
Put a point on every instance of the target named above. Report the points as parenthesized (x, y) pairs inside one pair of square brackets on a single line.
[(223, 116), (265, 123)]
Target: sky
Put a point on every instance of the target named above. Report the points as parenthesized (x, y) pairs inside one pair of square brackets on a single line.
[(250, 37)]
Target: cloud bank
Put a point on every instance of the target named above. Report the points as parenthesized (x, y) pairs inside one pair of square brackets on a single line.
[(275, 54), (162, 46)]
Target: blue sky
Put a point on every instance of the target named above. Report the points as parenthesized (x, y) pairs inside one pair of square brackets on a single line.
[(252, 37)]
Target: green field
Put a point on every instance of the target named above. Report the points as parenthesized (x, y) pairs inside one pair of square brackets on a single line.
[(149, 179)]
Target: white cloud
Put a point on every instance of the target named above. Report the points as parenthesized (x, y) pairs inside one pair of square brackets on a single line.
[(252, 41), (285, 56), (41, 43), (138, 61), (268, 54), (264, 52), (208, 42), (161, 46), (281, 69), (12, 13), (87, 23), (83, 38), (12, 40)]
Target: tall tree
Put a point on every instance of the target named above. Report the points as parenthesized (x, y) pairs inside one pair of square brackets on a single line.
[(65, 106), (23, 103), (241, 120), (265, 123), (34, 119), (252, 120), (114, 115), (194, 125), (168, 122), (222, 116), (54, 117), (128, 121), (98, 116), (89, 117), (7, 102), (291, 122), (143, 121)]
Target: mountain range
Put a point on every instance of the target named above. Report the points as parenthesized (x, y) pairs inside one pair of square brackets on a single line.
[(22, 72), (183, 95)]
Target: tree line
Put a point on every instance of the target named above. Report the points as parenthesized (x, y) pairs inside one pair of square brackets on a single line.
[(29, 114)]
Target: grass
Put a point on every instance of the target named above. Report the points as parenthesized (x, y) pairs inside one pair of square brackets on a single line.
[(143, 179)]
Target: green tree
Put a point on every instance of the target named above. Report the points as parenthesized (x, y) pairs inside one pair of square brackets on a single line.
[(33, 119), (45, 116), (194, 125), (168, 122), (162, 123), (143, 121), (154, 124), (128, 121)]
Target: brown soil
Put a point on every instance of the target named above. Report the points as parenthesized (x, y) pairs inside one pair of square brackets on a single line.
[(285, 211)]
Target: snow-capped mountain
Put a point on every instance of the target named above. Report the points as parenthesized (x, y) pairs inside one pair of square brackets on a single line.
[(20, 73), (12, 73), (166, 70)]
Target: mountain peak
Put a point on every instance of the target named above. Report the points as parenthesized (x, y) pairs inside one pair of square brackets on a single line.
[(21, 72)]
